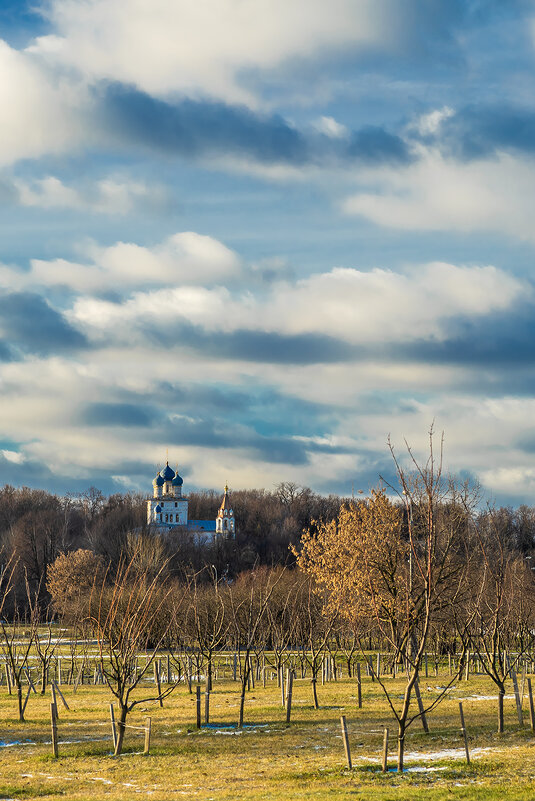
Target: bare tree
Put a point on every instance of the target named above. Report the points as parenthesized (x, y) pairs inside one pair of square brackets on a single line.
[(397, 567), (126, 617)]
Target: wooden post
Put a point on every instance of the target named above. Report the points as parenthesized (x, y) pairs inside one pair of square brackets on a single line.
[(58, 670), (531, 709), (449, 663), (8, 679), (426, 667), (53, 691), (30, 682), (54, 727), (345, 738), (359, 687), (467, 667), (289, 695), (113, 727), (198, 690), (147, 736), (517, 698), (168, 669), (378, 663), (385, 751), (283, 694), (26, 701), (421, 707), (234, 667), (64, 702), (463, 732)]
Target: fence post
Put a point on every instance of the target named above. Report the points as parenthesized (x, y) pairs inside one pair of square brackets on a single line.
[(463, 732), (345, 738)]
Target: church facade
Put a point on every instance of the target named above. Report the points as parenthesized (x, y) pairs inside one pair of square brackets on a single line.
[(168, 509)]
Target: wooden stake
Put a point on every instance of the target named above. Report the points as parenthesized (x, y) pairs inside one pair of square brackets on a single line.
[(54, 728), (26, 701), (30, 682), (198, 690), (385, 751), (359, 687), (113, 727), (65, 704), (289, 695), (345, 738), (207, 704), (517, 698), (463, 732), (421, 707), (53, 691), (147, 736)]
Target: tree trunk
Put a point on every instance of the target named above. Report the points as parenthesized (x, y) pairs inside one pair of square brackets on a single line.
[(315, 692), (120, 730), (501, 694), (243, 688), (43, 678), (401, 745), (19, 699)]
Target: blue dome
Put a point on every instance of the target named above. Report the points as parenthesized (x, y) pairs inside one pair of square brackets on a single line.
[(158, 481), (167, 473), (158, 509), (177, 481)]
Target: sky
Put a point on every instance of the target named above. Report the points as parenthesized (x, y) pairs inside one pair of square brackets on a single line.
[(262, 238)]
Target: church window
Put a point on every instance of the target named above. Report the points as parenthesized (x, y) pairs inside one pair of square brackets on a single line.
[(225, 525), (161, 517), (176, 504), (166, 518)]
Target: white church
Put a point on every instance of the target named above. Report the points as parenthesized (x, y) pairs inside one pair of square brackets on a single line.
[(168, 509)]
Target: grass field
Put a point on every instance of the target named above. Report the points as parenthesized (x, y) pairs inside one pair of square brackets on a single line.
[(268, 759)]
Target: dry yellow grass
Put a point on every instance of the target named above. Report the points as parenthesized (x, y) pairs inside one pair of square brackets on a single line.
[(268, 759)]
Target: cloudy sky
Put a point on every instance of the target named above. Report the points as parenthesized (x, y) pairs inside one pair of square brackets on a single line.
[(265, 235)]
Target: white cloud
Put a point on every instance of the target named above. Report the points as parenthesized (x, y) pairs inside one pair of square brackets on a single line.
[(377, 306), (430, 123), (111, 195), (41, 113), (330, 127), (182, 46), (184, 258), (437, 193)]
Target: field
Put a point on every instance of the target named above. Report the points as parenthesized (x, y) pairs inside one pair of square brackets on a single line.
[(268, 758)]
